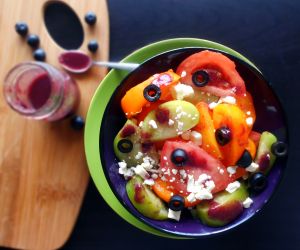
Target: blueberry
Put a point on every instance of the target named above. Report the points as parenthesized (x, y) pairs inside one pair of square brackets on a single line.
[(77, 122), (258, 182), (152, 93), (179, 157), (223, 135), (90, 18), (176, 203), (33, 41), (21, 28), (93, 46), (245, 160), (39, 55)]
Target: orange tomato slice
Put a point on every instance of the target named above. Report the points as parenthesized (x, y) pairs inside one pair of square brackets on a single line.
[(231, 116), (134, 101), (206, 128)]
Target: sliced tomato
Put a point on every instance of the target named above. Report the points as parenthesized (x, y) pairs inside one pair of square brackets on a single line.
[(133, 101), (198, 162), (207, 130), (232, 117), (224, 80), (251, 147)]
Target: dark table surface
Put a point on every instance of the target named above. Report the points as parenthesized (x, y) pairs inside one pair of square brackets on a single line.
[(268, 33)]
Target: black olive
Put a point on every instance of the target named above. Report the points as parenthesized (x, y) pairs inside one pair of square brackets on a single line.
[(90, 18), (39, 55), (200, 78), (77, 122), (245, 160), (21, 28), (257, 182), (176, 203), (33, 40), (152, 93), (179, 157), (223, 135), (279, 149), (125, 146), (93, 46)]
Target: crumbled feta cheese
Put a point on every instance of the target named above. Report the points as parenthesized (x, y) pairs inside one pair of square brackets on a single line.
[(163, 178), (174, 171), (139, 155), (180, 91), (212, 105), (203, 194), (165, 158), (167, 172), (171, 122), (231, 169), (221, 171), (210, 185), (175, 215), (180, 126), (203, 177), (228, 99), (149, 182), (191, 197), (247, 203), (183, 73), (190, 183), (139, 170), (122, 164), (123, 170), (248, 112), (183, 174), (153, 124), (253, 167), (186, 135), (141, 124), (249, 121), (196, 137), (233, 186), (154, 176)]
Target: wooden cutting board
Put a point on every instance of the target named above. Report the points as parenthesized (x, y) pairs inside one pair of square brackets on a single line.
[(43, 172)]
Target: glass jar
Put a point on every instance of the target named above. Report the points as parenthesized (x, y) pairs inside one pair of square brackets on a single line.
[(40, 91)]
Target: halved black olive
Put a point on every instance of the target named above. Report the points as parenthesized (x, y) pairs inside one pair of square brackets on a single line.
[(279, 149), (152, 93), (176, 203), (200, 78), (223, 135), (179, 157), (125, 146), (245, 160), (258, 182)]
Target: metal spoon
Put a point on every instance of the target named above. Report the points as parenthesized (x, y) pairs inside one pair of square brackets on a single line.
[(76, 61)]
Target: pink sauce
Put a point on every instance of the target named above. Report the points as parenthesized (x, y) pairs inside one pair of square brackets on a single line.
[(74, 60), (39, 90)]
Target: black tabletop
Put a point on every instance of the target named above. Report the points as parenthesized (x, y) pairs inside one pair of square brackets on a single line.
[(268, 33)]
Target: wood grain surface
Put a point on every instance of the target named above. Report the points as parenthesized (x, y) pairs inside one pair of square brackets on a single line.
[(43, 172)]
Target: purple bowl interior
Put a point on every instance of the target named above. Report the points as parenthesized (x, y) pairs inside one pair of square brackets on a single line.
[(270, 117)]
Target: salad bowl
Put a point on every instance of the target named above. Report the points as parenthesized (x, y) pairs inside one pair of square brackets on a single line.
[(105, 118)]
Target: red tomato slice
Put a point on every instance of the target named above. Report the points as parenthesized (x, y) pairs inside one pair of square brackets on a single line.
[(224, 79), (198, 162)]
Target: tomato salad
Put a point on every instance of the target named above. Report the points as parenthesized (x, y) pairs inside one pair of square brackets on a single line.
[(188, 143)]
